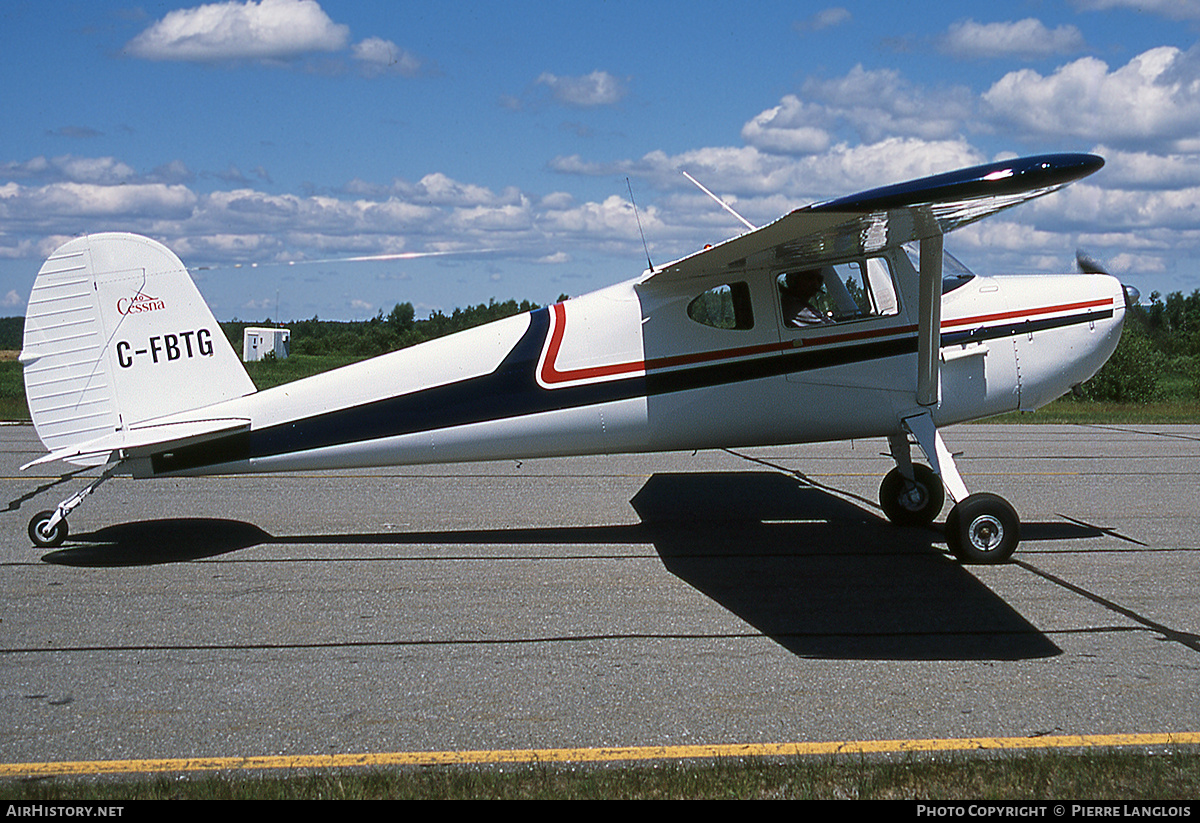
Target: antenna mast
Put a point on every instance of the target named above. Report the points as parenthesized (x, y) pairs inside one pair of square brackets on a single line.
[(639, 222)]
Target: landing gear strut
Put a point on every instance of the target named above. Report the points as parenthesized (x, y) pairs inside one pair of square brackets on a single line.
[(48, 529), (981, 527)]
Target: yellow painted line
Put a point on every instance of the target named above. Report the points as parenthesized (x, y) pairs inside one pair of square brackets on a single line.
[(602, 755)]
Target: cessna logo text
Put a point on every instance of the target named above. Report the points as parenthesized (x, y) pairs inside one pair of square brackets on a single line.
[(165, 348), (139, 303)]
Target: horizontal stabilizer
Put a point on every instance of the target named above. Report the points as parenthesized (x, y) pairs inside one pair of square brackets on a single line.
[(144, 438)]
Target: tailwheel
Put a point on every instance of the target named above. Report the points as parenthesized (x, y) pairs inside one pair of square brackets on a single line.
[(47, 536), (43, 536), (913, 502), (983, 528)]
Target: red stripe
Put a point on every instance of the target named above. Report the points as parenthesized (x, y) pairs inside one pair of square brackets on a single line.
[(550, 374), (1008, 315)]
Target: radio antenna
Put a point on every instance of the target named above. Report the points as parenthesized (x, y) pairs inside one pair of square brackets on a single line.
[(639, 222)]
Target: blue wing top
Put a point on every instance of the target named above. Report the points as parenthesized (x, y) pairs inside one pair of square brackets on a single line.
[(889, 216)]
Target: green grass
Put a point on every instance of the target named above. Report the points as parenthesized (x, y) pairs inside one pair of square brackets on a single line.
[(1117, 775), (268, 373), (12, 389), (1069, 410)]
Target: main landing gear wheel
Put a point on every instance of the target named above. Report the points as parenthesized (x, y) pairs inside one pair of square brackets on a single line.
[(45, 538), (912, 502), (983, 528)]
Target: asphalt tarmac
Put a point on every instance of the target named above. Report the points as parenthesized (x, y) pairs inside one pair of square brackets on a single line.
[(745, 596)]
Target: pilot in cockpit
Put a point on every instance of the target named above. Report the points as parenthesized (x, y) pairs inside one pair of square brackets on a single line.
[(797, 290)]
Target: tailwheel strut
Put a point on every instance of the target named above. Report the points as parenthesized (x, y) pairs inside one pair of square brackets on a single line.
[(48, 529)]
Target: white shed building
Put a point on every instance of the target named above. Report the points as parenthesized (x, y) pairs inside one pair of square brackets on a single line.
[(258, 343)]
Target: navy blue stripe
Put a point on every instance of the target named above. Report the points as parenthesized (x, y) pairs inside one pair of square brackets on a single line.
[(512, 391), (1016, 327)]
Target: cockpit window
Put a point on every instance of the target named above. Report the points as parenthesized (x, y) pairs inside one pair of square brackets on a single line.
[(724, 307), (835, 294), (954, 273)]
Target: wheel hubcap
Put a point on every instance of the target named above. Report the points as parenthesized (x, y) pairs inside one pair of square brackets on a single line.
[(913, 497), (985, 533)]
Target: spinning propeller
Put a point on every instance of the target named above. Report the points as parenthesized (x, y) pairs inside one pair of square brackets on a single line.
[(1090, 265)]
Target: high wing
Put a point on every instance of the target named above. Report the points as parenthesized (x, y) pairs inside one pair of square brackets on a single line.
[(920, 210), (890, 216)]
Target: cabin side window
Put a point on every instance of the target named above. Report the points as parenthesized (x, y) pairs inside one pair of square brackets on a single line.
[(723, 307), (824, 295)]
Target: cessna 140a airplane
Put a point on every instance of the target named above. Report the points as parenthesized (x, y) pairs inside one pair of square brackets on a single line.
[(838, 320)]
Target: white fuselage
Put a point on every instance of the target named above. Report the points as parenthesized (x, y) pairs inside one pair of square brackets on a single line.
[(630, 368)]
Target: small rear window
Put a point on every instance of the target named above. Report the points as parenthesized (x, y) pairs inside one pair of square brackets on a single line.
[(724, 307)]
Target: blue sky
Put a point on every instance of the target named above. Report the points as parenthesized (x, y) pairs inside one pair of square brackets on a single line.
[(247, 135)]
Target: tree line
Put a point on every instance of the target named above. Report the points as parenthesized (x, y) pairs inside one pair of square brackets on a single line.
[(382, 333), (1158, 357)]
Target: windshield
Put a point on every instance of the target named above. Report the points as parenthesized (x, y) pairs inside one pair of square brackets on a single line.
[(954, 272)]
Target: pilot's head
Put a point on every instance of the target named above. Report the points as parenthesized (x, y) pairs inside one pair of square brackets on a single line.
[(803, 284)]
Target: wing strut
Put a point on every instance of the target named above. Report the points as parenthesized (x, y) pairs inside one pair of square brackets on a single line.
[(929, 320)]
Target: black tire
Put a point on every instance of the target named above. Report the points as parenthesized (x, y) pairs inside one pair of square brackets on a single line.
[(983, 529), (43, 539), (912, 503)]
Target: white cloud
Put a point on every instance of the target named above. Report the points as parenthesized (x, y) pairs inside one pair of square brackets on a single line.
[(883, 103), (93, 200), (848, 168), (1152, 101), (741, 170), (71, 168), (378, 56), (613, 217), (1023, 38), (491, 218), (596, 89), (872, 104), (788, 128), (1134, 213), (1171, 9), (748, 172), (824, 19), (269, 30), (1143, 170), (437, 188)]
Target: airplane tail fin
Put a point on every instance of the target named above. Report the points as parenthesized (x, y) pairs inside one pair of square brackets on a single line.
[(116, 333)]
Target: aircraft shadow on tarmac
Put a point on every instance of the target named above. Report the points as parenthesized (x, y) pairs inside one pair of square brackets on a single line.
[(822, 576), (826, 577)]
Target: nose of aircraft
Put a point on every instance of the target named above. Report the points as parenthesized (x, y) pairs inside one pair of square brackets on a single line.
[(1073, 325)]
